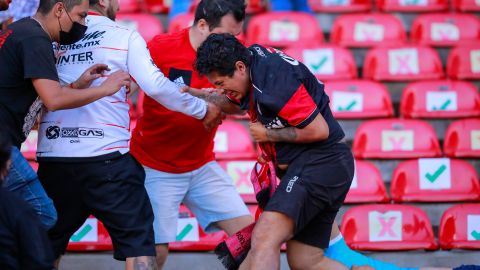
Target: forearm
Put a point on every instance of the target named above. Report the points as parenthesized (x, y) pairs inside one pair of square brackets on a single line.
[(69, 98), (316, 131), (220, 100)]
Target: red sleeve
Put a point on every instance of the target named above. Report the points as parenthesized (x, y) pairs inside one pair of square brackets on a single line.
[(300, 109)]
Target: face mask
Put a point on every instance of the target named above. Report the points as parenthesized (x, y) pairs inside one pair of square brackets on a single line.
[(72, 36)]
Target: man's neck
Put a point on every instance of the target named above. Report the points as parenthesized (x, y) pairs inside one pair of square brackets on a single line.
[(195, 38), (96, 11)]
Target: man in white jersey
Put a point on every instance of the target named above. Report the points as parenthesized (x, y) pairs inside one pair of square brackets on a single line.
[(85, 165)]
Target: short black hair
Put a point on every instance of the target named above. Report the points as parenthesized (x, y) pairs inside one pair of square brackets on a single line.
[(212, 11), (219, 53), (46, 5), (93, 2), (5, 150)]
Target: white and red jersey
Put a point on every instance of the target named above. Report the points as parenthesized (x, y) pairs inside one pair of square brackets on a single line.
[(103, 127)]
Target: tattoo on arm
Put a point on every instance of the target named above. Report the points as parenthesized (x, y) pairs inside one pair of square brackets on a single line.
[(288, 134), (145, 263), (222, 102)]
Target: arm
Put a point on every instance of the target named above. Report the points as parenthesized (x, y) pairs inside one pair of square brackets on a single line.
[(56, 97), (213, 96), (316, 131), (152, 81)]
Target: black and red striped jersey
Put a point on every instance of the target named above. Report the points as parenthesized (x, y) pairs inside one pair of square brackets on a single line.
[(286, 93)]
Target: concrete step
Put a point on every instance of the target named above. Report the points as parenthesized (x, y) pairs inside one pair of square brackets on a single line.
[(208, 260)]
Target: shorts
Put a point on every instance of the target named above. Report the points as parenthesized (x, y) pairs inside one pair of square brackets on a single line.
[(312, 191), (113, 191), (208, 192)]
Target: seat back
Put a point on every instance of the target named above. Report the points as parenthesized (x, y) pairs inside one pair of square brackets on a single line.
[(462, 139), (460, 227), (233, 141), (367, 185)]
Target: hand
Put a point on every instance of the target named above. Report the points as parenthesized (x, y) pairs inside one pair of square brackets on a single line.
[(115, 81), (213, 117), (92, 73), (259, 132)]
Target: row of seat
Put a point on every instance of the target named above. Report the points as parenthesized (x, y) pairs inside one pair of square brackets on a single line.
[(365, 227), (337, 6), (422, 180)]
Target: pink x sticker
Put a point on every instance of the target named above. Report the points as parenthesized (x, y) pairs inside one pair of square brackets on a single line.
[(387, 226)]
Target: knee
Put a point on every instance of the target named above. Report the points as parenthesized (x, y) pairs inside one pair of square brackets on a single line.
[(301, 261), (263, 238), (162, 254)]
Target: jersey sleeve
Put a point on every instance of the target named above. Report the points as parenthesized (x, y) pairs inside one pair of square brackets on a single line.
[(38, 59), (153, 82), (287, 93)]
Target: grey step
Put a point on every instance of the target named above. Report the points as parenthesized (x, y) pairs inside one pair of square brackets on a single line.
[(208, 261)]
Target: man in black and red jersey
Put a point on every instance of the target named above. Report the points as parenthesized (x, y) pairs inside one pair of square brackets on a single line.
[(315, 165)]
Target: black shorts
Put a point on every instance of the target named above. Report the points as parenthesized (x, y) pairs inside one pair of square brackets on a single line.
[(113, 191), (312, 191)]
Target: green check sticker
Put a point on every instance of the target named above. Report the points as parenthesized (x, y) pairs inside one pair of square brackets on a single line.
[(348, 107), (77, 237), (184, 232), (476, 235), (433, 177), (320, 64)]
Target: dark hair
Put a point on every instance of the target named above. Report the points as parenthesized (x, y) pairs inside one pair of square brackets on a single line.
[(93, 2), (46, 5), (219, 53), (212, 11), (5, 150)]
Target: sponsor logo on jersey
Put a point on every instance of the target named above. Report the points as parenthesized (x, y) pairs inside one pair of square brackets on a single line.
[(54, 132), (291, 182)]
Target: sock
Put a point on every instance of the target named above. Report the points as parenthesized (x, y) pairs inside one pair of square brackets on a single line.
[(339, 251)]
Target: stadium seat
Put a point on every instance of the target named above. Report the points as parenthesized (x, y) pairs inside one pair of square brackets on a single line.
[(91, 236), (390, 227), (367, 30), (445, 29), (412, 5), (462, 139), (191, 237), (180, 22), (359, 99), (33, 164), (129, 6), (326, 62), (29, 146), (340, 6), (466, 5), (402, 63), (440, 99), (284, 29), (367, 185), (464, 62), (395, 139), (147, 25), (239, 171), (460, 227), (157, 6), (435, 180), (233, 141)]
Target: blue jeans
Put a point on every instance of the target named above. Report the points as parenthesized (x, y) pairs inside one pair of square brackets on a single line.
[(23, 181)]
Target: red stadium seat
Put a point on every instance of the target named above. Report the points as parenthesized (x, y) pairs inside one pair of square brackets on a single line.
[(157, 6), (326, 62), (284, 29), (440, 99), (345, 6), (445, 29), (233, 141), (92, 236), (239, 171), (367, 30), (464, 62), (147, 25), (129, 6), (460, 227), (191, 237), (34, 165), (29, 146), (462, 139), (395, 139), (358, 99), (390, 227), (435, 180), (180, 22), (367, 185), (402, 63), (466, 5), (412, 5)]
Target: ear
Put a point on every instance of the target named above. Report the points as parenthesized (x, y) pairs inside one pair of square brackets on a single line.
[(203, 27), (241, 67), (102, 3), (58, 9)]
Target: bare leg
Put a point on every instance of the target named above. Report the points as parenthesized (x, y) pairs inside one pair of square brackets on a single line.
[(233, 225), (141, 263), (162, 254), (304, 257)]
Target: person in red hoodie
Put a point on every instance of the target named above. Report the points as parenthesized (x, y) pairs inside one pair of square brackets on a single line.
[(176, 150)]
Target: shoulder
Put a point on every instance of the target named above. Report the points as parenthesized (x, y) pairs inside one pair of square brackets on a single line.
[(167, 40), (29, 31)]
